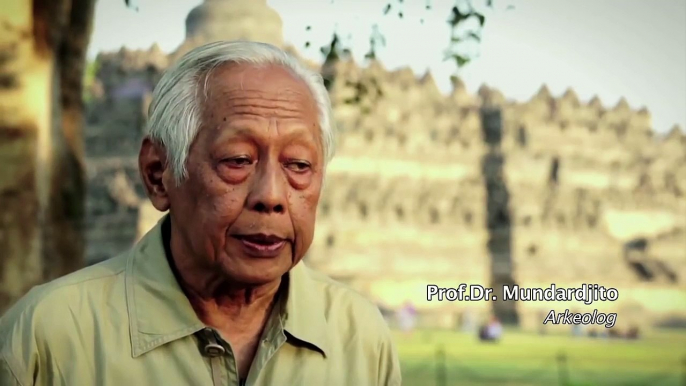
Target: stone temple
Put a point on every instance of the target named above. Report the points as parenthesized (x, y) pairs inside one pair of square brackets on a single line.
[(439, 189), (231, 20)]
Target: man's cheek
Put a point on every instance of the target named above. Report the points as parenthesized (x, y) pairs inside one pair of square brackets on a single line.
[(228, 203), (305, 237), (300, 243)]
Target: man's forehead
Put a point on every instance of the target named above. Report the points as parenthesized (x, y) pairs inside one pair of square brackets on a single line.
[(265, 87), (269, 78), (248, 97)]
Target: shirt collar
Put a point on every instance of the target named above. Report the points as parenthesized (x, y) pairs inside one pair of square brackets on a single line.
[(159, 311)]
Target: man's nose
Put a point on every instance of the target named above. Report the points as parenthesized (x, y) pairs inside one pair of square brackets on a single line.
[(268, 191)]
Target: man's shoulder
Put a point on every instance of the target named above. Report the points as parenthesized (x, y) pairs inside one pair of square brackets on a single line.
[(46, 305), (91, 276), (357, 329), (345, 305), (53, 319)]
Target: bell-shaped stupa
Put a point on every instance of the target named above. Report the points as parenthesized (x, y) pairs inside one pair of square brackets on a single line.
[(216, 20)]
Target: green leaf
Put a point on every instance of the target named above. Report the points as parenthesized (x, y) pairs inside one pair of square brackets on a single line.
[(129, 4), (387, 9), (474, 35), (457, 16), (460, 60), (482, 18)]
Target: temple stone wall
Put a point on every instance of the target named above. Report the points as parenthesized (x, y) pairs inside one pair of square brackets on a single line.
[(116, 116)]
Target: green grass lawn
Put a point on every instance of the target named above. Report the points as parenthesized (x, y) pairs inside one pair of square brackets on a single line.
[(529, 359)]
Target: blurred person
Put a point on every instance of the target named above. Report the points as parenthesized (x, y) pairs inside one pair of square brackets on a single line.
[(407, 318), (491, 331), (495, 329), (614, 333), (239, 136), (633, 333)]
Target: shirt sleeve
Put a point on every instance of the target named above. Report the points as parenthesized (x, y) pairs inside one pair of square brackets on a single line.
[(7, 376), (389, 364)]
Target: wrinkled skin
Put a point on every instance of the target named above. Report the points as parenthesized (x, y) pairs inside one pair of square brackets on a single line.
[(256, 166)]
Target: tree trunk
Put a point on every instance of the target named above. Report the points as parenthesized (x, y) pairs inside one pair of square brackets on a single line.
[(42, 52), (64, 242)]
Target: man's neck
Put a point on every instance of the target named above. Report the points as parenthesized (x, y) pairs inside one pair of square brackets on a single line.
[(217, 301)]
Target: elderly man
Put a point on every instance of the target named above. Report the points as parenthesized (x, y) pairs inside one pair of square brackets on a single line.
[(238, 142)]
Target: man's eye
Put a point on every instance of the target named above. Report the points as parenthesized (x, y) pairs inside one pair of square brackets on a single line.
[(237, 162), (298, 166)]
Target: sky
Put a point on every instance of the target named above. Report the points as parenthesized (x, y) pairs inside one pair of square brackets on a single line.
[(634, 49)]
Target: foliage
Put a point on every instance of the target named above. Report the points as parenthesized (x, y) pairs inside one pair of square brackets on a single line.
[(89, 77), (131, 4), (461, 15)]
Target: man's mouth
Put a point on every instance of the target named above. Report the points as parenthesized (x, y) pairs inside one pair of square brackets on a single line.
[(261, 244)]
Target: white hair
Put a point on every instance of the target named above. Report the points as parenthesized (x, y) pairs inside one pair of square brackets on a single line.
[(174, 115)]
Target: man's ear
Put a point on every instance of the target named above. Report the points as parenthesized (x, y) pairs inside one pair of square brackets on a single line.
[(152, 164)]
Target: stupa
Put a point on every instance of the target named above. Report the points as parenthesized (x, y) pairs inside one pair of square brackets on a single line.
[(215, 20)]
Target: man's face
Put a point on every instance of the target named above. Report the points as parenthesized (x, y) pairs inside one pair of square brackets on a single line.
[(255, 173)]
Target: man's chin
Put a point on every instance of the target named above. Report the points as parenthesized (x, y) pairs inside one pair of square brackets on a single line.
[(256, 271)]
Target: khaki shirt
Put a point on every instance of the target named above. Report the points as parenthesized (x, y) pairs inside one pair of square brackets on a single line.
[(126, 322)]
